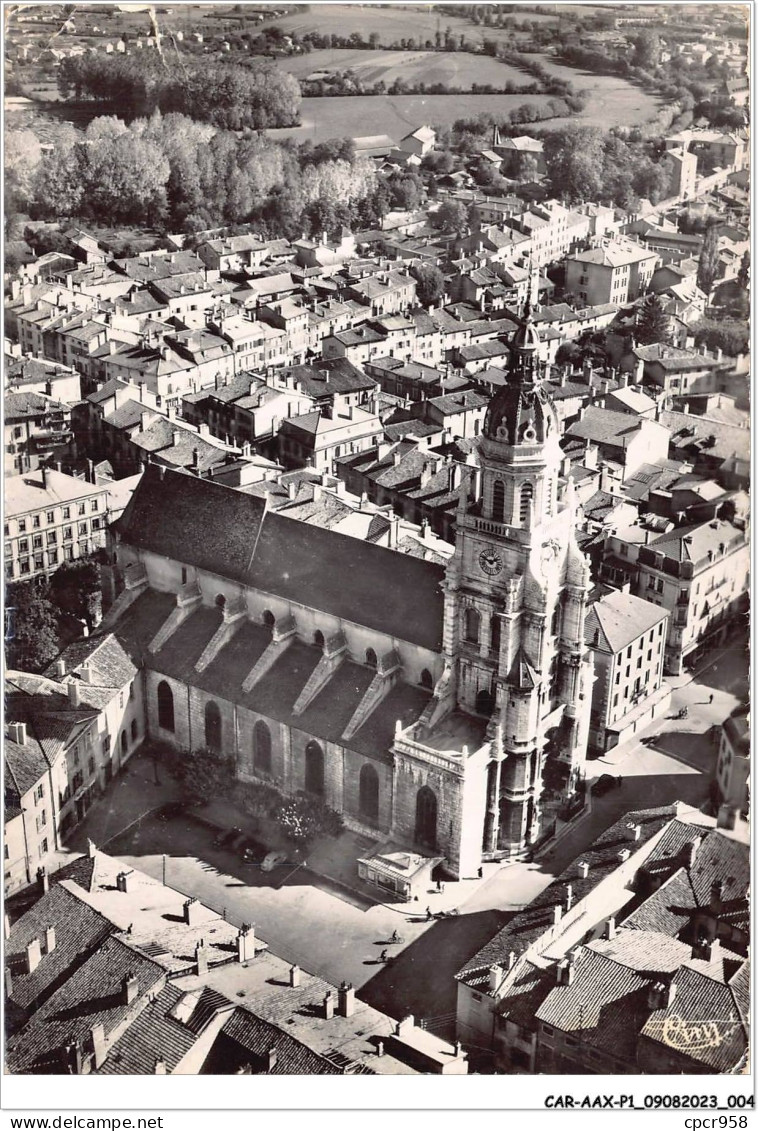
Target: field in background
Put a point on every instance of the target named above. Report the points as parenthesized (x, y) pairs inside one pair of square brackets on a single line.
[(395, 115), (454, 68)]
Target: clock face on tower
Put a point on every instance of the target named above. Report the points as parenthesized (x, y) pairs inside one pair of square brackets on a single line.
[(490, 562)]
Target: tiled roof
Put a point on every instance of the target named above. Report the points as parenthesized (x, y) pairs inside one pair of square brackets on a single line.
[(389, 592), (24, 765), (701, 998), (619, 619), (154, 1035), (19, 406), (717, 439), (92, 995), (527, 927), (604, 427), (107, 661), (78, 931), (692, 543), (247, 1039), (604, 1005)]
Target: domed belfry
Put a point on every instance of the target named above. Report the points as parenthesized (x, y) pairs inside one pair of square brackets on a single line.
[(515, 601)]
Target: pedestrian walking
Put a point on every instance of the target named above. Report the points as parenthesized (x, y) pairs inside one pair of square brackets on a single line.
[(428, 914), (480, 873), (710, 698)]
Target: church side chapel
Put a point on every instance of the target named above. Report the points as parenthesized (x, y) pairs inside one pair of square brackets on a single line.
[(444, 708)]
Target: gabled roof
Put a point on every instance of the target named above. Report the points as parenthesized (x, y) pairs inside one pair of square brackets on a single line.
[(92, 995), (224, 531), (528, 926), (247, 1040), (78, 931), (618, 619)]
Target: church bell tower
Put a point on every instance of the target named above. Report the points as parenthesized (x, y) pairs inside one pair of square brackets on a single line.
[(515, 602)]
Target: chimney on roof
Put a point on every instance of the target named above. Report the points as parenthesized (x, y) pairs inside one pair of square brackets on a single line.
[(160, 1067), (689, 852), (129, 989), (201, 959), (294, 977), (658, 996), (328, 1005), (125, 881), (271, 1059), (33, 955), (583, 869), (346, 999), (569, 898), (74, 693), (565, 971), (43, 880), (717, 893), (609, 931), (97, 1039), (246, 943), (495, 978), (91, 848), (191, 911), (17, 733), (557, 913), (195, 459), (49, 940), (633, 830)]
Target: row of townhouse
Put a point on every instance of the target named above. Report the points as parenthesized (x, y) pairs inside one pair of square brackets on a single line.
[(67, 733)]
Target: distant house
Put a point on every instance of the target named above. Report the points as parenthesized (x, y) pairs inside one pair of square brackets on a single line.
[(420, 141), (374, 145)]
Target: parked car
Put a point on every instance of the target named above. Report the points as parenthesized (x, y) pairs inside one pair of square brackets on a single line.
[(604, 784), (252, 852), (273, 860)]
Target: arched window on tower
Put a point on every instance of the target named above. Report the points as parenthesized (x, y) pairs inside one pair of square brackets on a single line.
[(471, 625), (498, 501), (525, 501), (485, 704), (495, 634)]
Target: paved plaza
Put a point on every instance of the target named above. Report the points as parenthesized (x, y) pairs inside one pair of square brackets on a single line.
[(309, 914)]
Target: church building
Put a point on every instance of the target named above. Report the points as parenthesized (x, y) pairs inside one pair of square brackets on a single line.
[(444, 708)]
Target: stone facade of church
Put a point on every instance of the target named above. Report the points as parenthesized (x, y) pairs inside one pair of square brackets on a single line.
[(425, 705)]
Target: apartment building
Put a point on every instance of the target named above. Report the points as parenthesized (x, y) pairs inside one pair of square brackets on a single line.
[(627, 637), (51, 518), (617, 272)]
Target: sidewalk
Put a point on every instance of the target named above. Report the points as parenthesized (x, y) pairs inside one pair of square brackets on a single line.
[(130, 796)]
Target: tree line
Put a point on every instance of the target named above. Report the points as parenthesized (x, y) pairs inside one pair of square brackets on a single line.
[(173, 173), (229, 96)]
